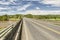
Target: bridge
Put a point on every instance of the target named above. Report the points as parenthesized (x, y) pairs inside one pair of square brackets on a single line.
[(31, 29)]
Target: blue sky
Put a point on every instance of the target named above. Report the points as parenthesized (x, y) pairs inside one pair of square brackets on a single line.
[(29, 6)]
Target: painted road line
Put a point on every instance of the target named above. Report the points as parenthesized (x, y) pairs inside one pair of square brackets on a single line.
[(47, 27), (48, 23), (46, 34), (27, 32), (24, 25)]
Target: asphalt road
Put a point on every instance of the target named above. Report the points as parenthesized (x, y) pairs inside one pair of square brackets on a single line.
[(39, 30)]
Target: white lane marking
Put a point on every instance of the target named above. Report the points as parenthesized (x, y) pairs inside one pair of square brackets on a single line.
[(47, 27), (50, 37), (48, 23), (24, 25), (27, 32)]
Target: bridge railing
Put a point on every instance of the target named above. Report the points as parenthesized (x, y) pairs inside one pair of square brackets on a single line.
[(14, 34), (7, 30)]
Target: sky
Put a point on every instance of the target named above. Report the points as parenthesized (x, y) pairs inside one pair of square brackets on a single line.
[(35, 7)]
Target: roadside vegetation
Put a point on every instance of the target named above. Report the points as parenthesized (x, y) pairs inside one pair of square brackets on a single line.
[(6, 20), (19, 16), (55, 19), (10, 17), (50, 17)]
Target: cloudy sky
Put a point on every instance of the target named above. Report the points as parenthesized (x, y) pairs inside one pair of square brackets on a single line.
[(29, 6)]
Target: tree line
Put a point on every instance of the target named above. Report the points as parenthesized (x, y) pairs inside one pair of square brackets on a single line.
[(7, 17), (43, 16), (19, 16)]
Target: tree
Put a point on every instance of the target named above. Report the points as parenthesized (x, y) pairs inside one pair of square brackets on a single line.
[(5, 17), (29, 15)]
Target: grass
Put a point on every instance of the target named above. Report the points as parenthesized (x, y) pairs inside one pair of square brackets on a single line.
[(13, 19), (1, 28), (54, 19)]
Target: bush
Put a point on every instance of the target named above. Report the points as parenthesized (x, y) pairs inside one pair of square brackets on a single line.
[(4, 18)]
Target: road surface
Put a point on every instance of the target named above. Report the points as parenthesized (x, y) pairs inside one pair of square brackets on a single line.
[(39, 30)]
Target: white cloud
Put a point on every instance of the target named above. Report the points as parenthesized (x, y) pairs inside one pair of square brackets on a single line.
[(41, 12), (2, 8), (37, 8), (5, 8), (9, 13), (11, 0), (7, 3), (53, 2), (31, 0), (24, 7), (4, 3)]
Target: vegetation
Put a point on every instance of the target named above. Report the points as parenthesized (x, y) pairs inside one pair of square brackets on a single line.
[(19, 16), (29, 15), (4, 18), (43, 16), (10, 17)]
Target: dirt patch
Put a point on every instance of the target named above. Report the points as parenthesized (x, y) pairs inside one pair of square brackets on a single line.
[(4, 24)]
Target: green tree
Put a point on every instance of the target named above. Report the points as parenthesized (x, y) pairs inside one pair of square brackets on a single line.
[(5, 17), (29, 15)]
